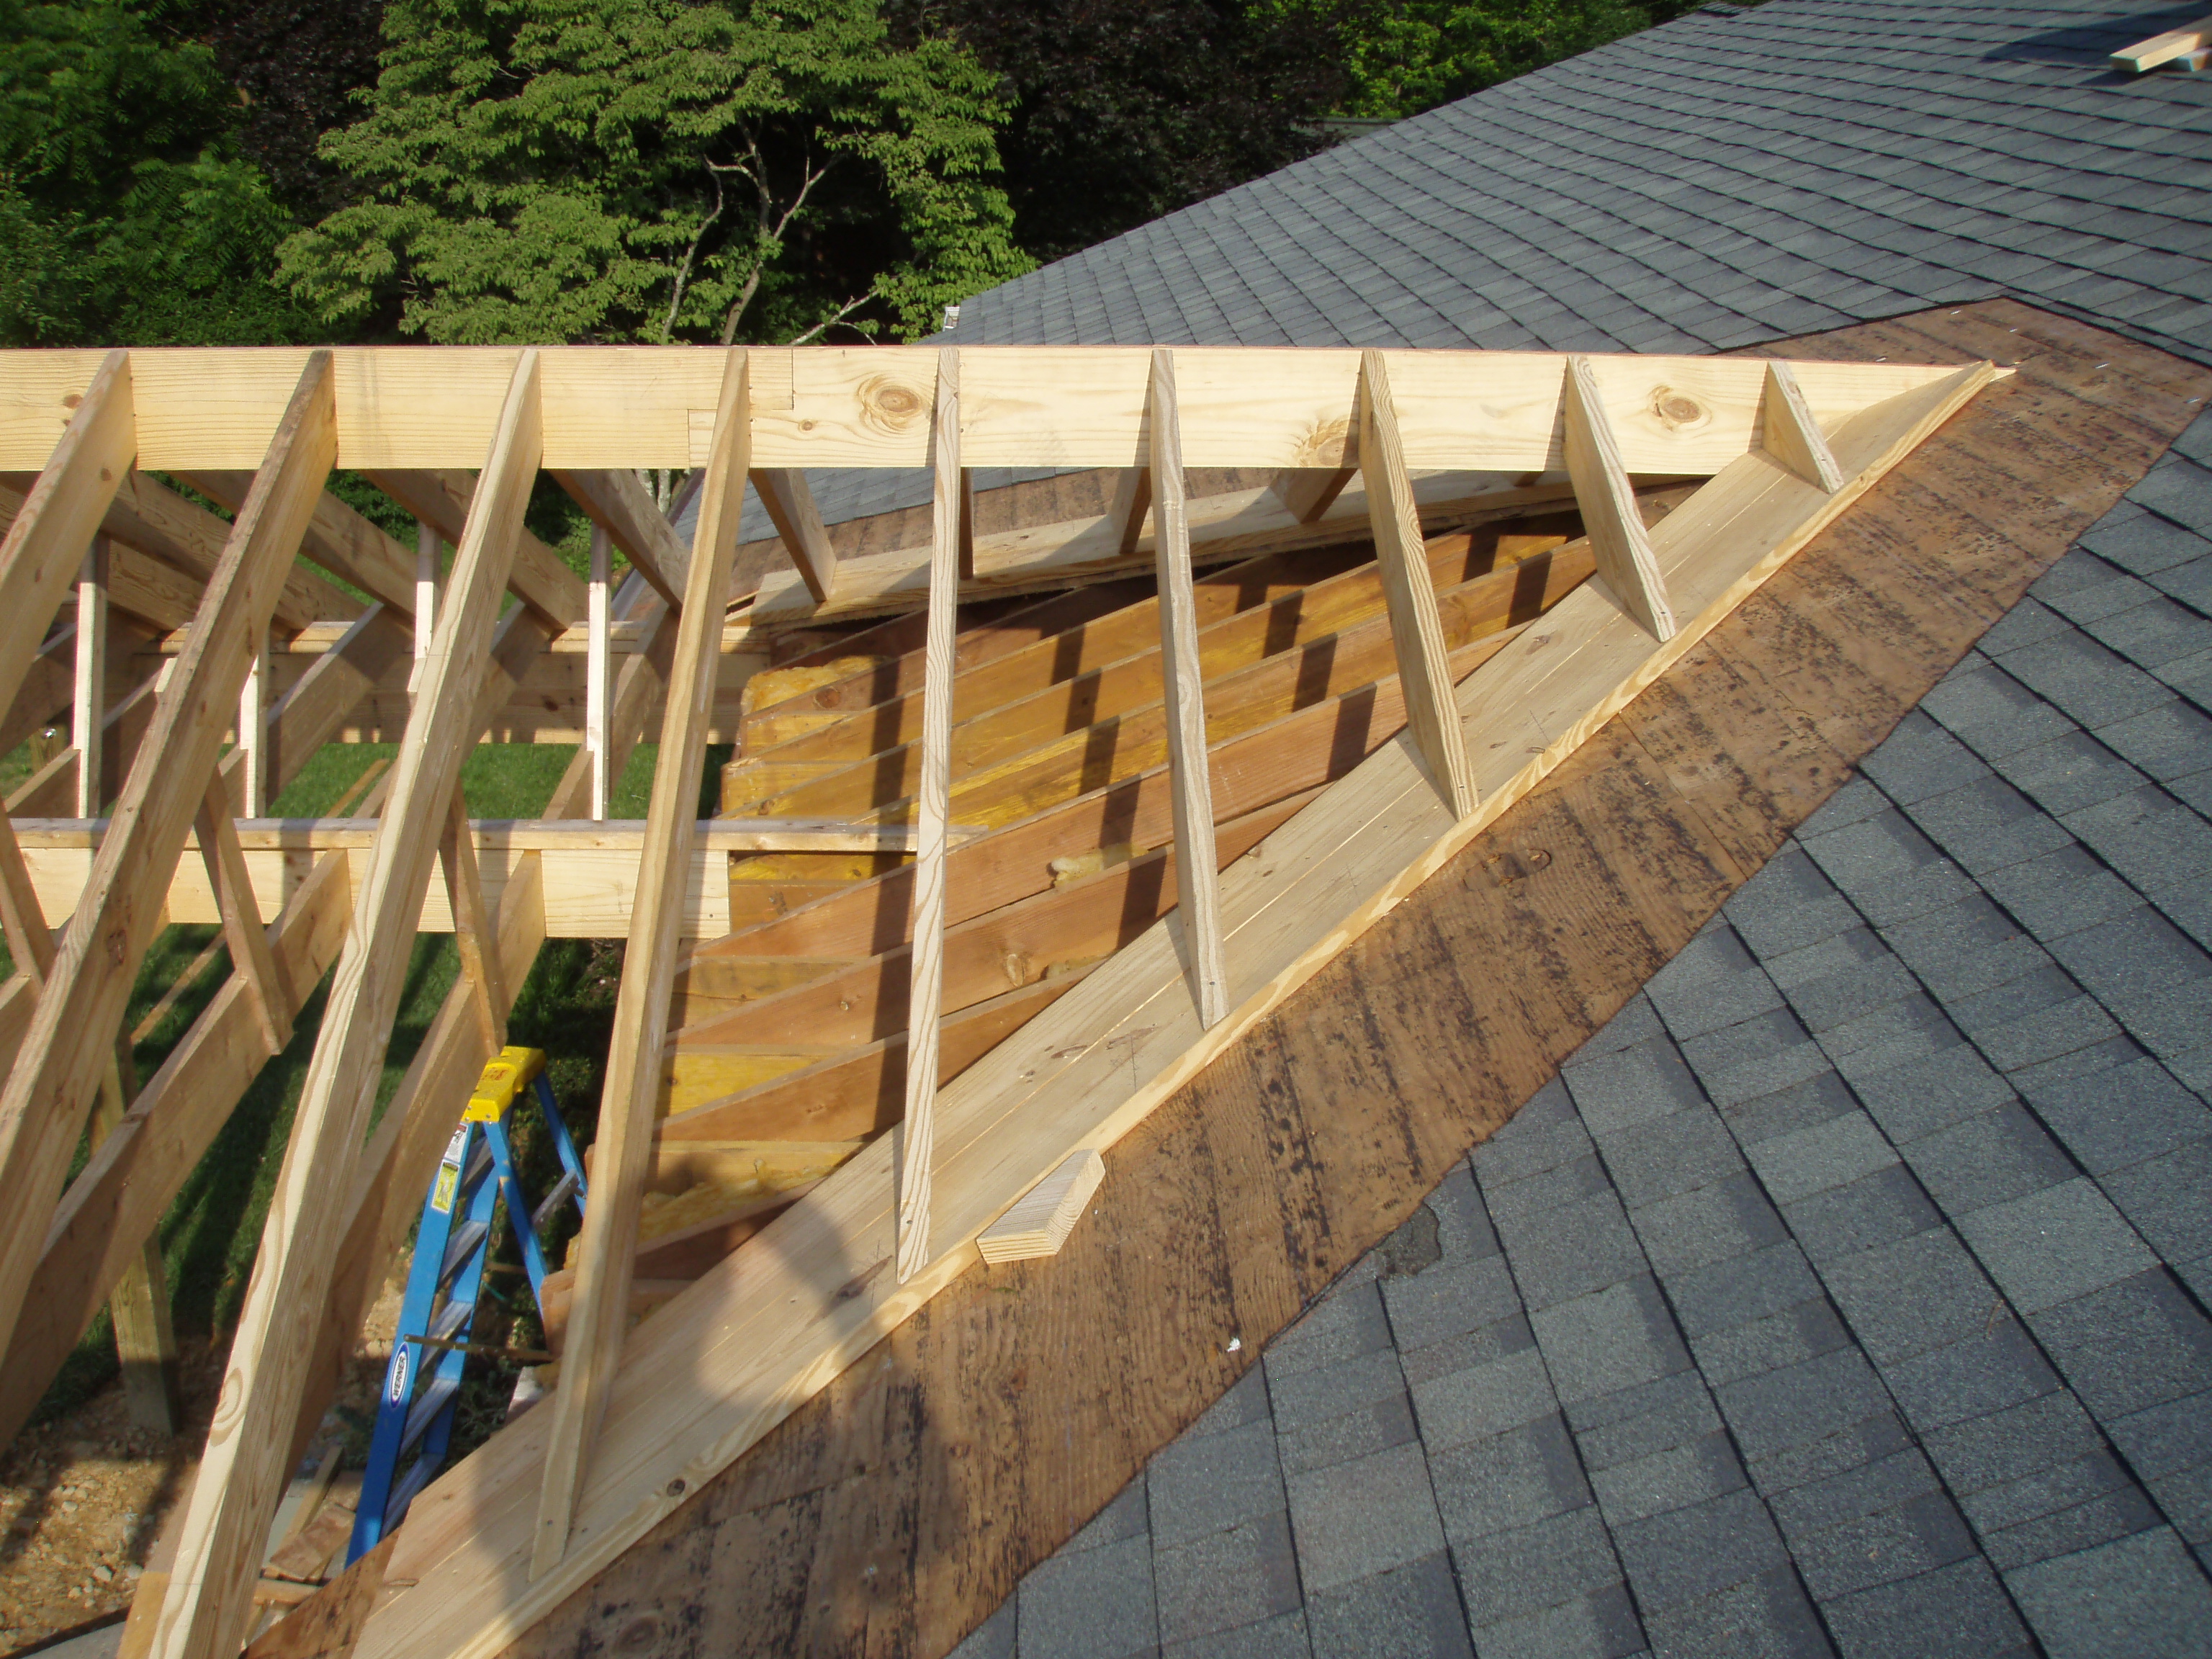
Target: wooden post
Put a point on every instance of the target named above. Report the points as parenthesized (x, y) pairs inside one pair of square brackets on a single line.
[(598, 1312), (1791, 434), (253, 733), (1198, 889), (1309, 491), (917, 1133), (967, 523), (473, 935), (209, 1602), (597, 675), (88, 706), (1416, 631), (1625, 560), (427, 544), (138, 1306)]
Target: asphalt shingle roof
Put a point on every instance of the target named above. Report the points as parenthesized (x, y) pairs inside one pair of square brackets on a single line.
[(1846, 1293), (1736, 176)]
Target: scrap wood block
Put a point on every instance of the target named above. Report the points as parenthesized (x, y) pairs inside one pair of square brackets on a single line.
[(1041, 1219)]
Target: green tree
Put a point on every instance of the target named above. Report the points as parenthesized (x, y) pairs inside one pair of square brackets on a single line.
[(660, 170), (1407, 56), (125, 208)]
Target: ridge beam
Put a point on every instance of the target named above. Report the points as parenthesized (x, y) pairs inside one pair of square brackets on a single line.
[(1409, 595), (1182, 687), (608, 1245), (1625, 562)]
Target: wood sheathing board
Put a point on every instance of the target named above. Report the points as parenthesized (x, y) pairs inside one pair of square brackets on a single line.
[(976, 1437)]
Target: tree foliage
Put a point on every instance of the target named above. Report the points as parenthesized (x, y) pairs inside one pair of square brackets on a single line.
[(126, 211), (654, 170), (1404, 56), (1125, 110)]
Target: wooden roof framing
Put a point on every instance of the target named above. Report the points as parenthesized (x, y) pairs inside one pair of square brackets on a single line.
[(1228, 777)]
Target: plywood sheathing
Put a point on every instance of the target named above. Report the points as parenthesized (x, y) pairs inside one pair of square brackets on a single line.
[(977, 1437)]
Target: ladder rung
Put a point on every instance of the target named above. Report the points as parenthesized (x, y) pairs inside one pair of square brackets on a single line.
[(452, 1317), (405, 1490), (466, 1237), (554, 1200), (479, 1162), (427, 1404)]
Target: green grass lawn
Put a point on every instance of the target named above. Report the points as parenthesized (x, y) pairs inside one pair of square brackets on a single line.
[(565, 1007)]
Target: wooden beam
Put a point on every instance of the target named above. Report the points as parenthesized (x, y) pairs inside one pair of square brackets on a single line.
[(598, 1324), (30, 941), (251, 958), (1416, 633), (70, 1040), (338, 538), (138, 1305), (180, 533), (429, 548), (2165, 48), (472, 930), (1184, 688), (1039, 1220), (615, 501), (315, 708), (87, 705), (1625, 559), (925, 963), (1790, 434), (250, 756), (599, 684), (208, 1606), (783, 491), (1307, 492), (444, 498), (45, 546)]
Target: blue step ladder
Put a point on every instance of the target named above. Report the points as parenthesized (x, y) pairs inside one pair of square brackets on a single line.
[(452, 1246)]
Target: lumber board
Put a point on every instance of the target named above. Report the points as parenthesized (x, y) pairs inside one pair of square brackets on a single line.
[(1183, 686), (416, 407), (251, 957), (441, 497), (608, 1239), (783, 491), (1416, 633), (951, 556), (1790, 433), (71, 1039), (2164, 48), (1626, 562), (87, 701), (209, 1602), (1138, 1040), (617, 502), (45, 542), (338, 538), (1039, 1220)]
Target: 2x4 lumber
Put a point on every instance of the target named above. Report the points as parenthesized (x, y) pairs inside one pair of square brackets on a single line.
[(1791, 435), (1625, 562), (250, 957), (783, 491), (624, 1144), (414, 407), (1307, 492), (926, 960), (428, 548), (1131, 507), (472, 931), (87, 711), (1411, 598), (1038, 1222), (2165, 48), (138, 1306), (617, 502), (30, 942), (210, 1600), (249, 756), (732, 1356), (70, 1043), (338, 538), (45, 545), (315, 709), (444, 498), (1183, 696)]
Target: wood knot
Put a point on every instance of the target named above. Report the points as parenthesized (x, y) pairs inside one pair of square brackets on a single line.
[(1677, 411), (1329, 444), (639, 1636), (891, 406)]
